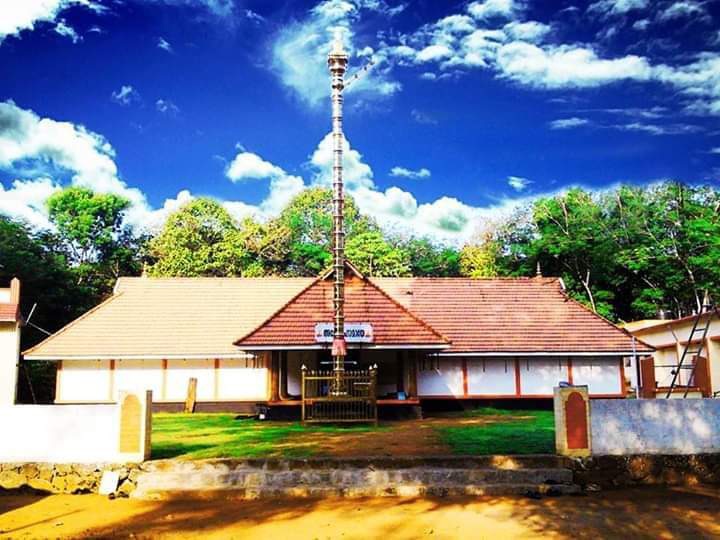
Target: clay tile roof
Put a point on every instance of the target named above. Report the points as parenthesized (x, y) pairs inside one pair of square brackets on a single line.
[(508, 315), (294, 324), (9, 313), (171, 317)]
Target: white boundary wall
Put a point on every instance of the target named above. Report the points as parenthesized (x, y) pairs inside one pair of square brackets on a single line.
[(71, 433), (655, 426)]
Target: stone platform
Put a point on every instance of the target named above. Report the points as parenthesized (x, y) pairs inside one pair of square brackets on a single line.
[(372, 477)]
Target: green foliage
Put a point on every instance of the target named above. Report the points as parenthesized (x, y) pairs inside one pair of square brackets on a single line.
[(202, 239), (304, 230), (430, 260), (479, 260), (373, 255), (627, 253)]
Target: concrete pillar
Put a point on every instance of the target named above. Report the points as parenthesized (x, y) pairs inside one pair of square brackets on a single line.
[(572, 421), (9, 342)]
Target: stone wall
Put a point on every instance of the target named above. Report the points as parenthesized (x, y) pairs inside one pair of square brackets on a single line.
[(655, 426), (639, 470), (64, 478)]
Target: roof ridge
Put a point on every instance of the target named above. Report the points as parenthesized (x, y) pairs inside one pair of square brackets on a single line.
[(73, 322), (278, 311)]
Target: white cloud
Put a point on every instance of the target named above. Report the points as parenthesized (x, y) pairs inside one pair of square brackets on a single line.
[(19, 15), (641, 24), (715, 150), (433, 52), (63, 148), (63, 29), (249, 166), (518, 183), (164, 44), (566, 66), (166, 106), (356, 173), (531, 31), (402, 172), (685, 8), (299, 51), (126, 95), (495, 8), (658, 129), (568, 123), (25, 201), (617, 7)]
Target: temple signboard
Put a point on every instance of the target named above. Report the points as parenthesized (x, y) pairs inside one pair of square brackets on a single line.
[(354, 332)]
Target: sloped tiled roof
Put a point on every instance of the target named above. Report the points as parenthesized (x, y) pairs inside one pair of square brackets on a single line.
[(9, 312), (176, 317), (507, 315), (294, 324), (171, 317)]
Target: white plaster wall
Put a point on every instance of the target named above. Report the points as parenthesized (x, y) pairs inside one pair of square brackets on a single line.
[(9, 357), (237, 382), (714, 350), (655, 426), (180, 372), (601, 375), (446, 381), (538, 376), (138, 376), (295, 361), (491, 376), (86, 380)]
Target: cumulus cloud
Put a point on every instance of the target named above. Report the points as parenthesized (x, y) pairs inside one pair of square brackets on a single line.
[(125, 95), (299, 51), (19, 15), (25, 200), (402, 172), (568, 123), (518, 183), (684, 8), (62, 148)]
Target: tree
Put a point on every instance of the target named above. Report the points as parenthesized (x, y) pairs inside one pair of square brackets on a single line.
[(373, 255), (202, 239), (48, 282), (429, 259), (99, 245), (479, 260), (306, 226)]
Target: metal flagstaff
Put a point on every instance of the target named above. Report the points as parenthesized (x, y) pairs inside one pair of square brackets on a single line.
[(337, 64)]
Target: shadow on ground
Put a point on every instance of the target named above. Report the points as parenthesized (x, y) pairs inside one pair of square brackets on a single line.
[(635, 513)]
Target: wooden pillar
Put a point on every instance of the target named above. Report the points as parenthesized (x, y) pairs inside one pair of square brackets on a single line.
[(702, 376), (275, 376), (400, 375), (283, 375), (647, 376), (412, 389)]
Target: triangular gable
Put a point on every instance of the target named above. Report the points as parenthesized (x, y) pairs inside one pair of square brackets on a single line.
[(365, 302)]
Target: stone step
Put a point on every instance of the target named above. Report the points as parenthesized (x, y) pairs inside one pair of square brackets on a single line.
[(405, 490), (389, 462), (212, 478)]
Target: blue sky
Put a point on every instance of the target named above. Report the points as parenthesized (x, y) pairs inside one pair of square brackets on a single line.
[(469, 109)]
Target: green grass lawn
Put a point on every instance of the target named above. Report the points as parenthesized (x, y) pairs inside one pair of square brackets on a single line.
[(506, 432), (475, 432), (203, 436)]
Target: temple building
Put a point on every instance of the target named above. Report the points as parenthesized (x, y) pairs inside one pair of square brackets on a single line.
[(246, 340)]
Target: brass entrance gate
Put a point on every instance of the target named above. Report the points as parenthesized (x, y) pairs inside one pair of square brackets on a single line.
[(356, 402)]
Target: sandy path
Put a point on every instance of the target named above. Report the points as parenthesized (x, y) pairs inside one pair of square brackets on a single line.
[(638, 513)]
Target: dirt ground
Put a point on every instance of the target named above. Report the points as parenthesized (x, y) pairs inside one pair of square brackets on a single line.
[(636, 513)]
